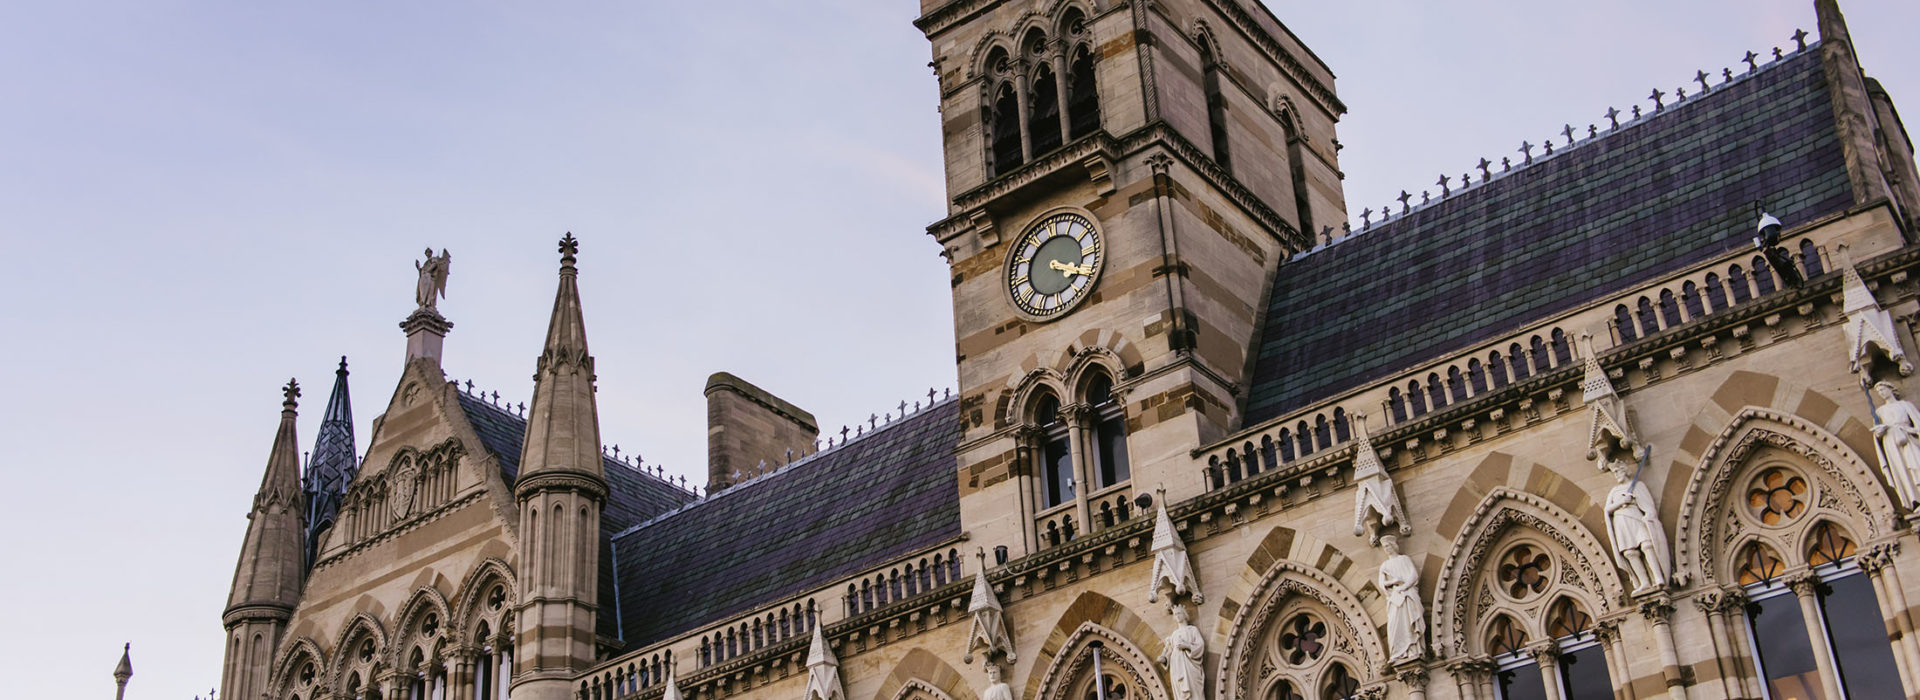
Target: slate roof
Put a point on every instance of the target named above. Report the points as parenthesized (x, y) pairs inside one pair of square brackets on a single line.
[(1671, 190), (827, 517), (632, 496)]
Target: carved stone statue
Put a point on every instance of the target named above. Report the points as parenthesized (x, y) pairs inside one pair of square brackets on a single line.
[(1186, 648), (1406, 615), (1633, 524), (997, 688), (433, 279), (1897, 432)]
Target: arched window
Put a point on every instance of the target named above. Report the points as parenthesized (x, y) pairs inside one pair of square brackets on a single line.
[(1396, 404), (1762, 277), (1810, 258), (1669, 309), (1083, 95), (1497, 369), (1004, 151), (1043, 110), (1716, 294), (1436, 394), (1542, 359), (1476, 376), (1056, 460), (1216, 103), (1737, 283), (1518, 357), (1109, 432), (1417, 398), (1342, 428)]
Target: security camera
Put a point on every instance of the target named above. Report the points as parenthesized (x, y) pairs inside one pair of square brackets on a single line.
[(1769, 229)]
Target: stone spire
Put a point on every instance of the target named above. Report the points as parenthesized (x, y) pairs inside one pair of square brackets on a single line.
[(1376, 502), (123, 672), (1873, 348), (988, 633), (1611, 441), (333, 463), (563, 432), (272, 567), (559, 473), (1171, 568), (823, 670)]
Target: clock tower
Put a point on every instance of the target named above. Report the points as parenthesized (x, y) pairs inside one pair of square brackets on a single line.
[(1124, 179)]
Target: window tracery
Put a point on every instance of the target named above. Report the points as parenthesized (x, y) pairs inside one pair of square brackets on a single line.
[(1075, 454)]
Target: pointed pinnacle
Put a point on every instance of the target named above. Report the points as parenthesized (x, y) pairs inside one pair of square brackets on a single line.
[(292, 392)]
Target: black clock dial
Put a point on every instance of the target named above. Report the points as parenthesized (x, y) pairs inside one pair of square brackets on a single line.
[(1054, 264)]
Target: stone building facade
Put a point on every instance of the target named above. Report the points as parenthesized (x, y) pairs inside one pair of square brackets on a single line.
[(1625, 415)]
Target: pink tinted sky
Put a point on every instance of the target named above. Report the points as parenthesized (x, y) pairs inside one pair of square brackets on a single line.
[(201, 199)]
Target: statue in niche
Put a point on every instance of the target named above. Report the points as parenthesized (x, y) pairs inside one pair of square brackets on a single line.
[(433, 279), (1406, 615), (997, 688), (1639, 542), (1896, 431), (1186, 648)]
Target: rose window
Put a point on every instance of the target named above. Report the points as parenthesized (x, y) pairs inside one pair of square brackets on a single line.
[(1284, 691), (1303, 640), (1777, 496), (1523, 572)]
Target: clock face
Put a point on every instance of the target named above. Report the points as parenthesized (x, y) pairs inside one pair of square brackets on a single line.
[(1054, 264)]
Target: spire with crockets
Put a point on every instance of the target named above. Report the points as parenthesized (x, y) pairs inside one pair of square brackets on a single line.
[(331, 467)]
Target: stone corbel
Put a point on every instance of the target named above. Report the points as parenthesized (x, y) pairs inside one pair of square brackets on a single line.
[(1100, 173), (983, 227)]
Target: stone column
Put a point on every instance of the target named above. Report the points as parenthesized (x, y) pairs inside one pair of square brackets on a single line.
[(1608, 633), (1877, 562), (505, 672), (1026, 456), (1714, 605), (1077, 416), (1060, 88), (1466, 678), (1657, 608), (1414, 676), (460, 675), (1546, 656), (1803, 589), (1020, 87)]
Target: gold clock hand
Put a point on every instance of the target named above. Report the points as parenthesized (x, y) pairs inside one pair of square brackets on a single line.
[(1070, 268)]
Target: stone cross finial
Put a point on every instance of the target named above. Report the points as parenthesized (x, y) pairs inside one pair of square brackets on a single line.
[(1485, 173), (903, 409), (843, 434), (1658, 103), (1800, 39), (1526, 149), (1426, 196), (1613, 117), (1592, 131), (1506, 163), (469, 386), (1549, 147), (1776, 53), (1750, 59), (1701, 77), (1568, 131), (1404, 208), (930, 393), (1636, 111), (873, 420), (1680, 94), (1444, 189), (569, 247), (1366, 218), (292, 392), (1726, 74)]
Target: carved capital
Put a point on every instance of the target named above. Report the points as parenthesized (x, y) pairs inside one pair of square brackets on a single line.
[(1803, 584), (1412, 674), (1545, 653), (1160, 163), (1877, 557), (1608, 631), (1658, 609)]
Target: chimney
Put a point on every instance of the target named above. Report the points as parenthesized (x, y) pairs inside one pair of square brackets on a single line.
[(750, 431)]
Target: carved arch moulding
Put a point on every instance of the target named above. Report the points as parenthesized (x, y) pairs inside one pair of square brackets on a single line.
[(1706, 532), (286, 670), (1242, 674), (1588, 568), (1071, 667)]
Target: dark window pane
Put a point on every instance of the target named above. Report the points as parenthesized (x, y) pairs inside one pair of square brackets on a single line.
[(1113, 451), (1059, 472), (1521, 683), (1786, 657), (1859, 635), (1585, 673)]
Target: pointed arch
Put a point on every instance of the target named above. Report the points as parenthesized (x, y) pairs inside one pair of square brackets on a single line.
[(406, 625), (1703, 541), (1280, 589), (361, 625), (295, 652), (923, 675), (1455, 627), (1091, 617), (470, 603), (1074, 658)]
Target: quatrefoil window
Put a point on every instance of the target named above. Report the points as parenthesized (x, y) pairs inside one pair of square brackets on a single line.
[(366, 650), (430, 626), (1777, 496), (496, 598), (1523, 572), (1304, 640), (306, 673)]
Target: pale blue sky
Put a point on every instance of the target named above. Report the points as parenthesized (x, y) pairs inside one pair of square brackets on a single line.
[(201, 199)]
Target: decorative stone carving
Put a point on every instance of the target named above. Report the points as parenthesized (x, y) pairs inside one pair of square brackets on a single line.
[(1610, 434), (997, 688), (1171, 568), (1871, 339), (433, 279), (1376, 504), (673, 685), (1633, 527), (1406, 615), (989, 630), (1896, 432), (823, 670), (1186, 648)]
